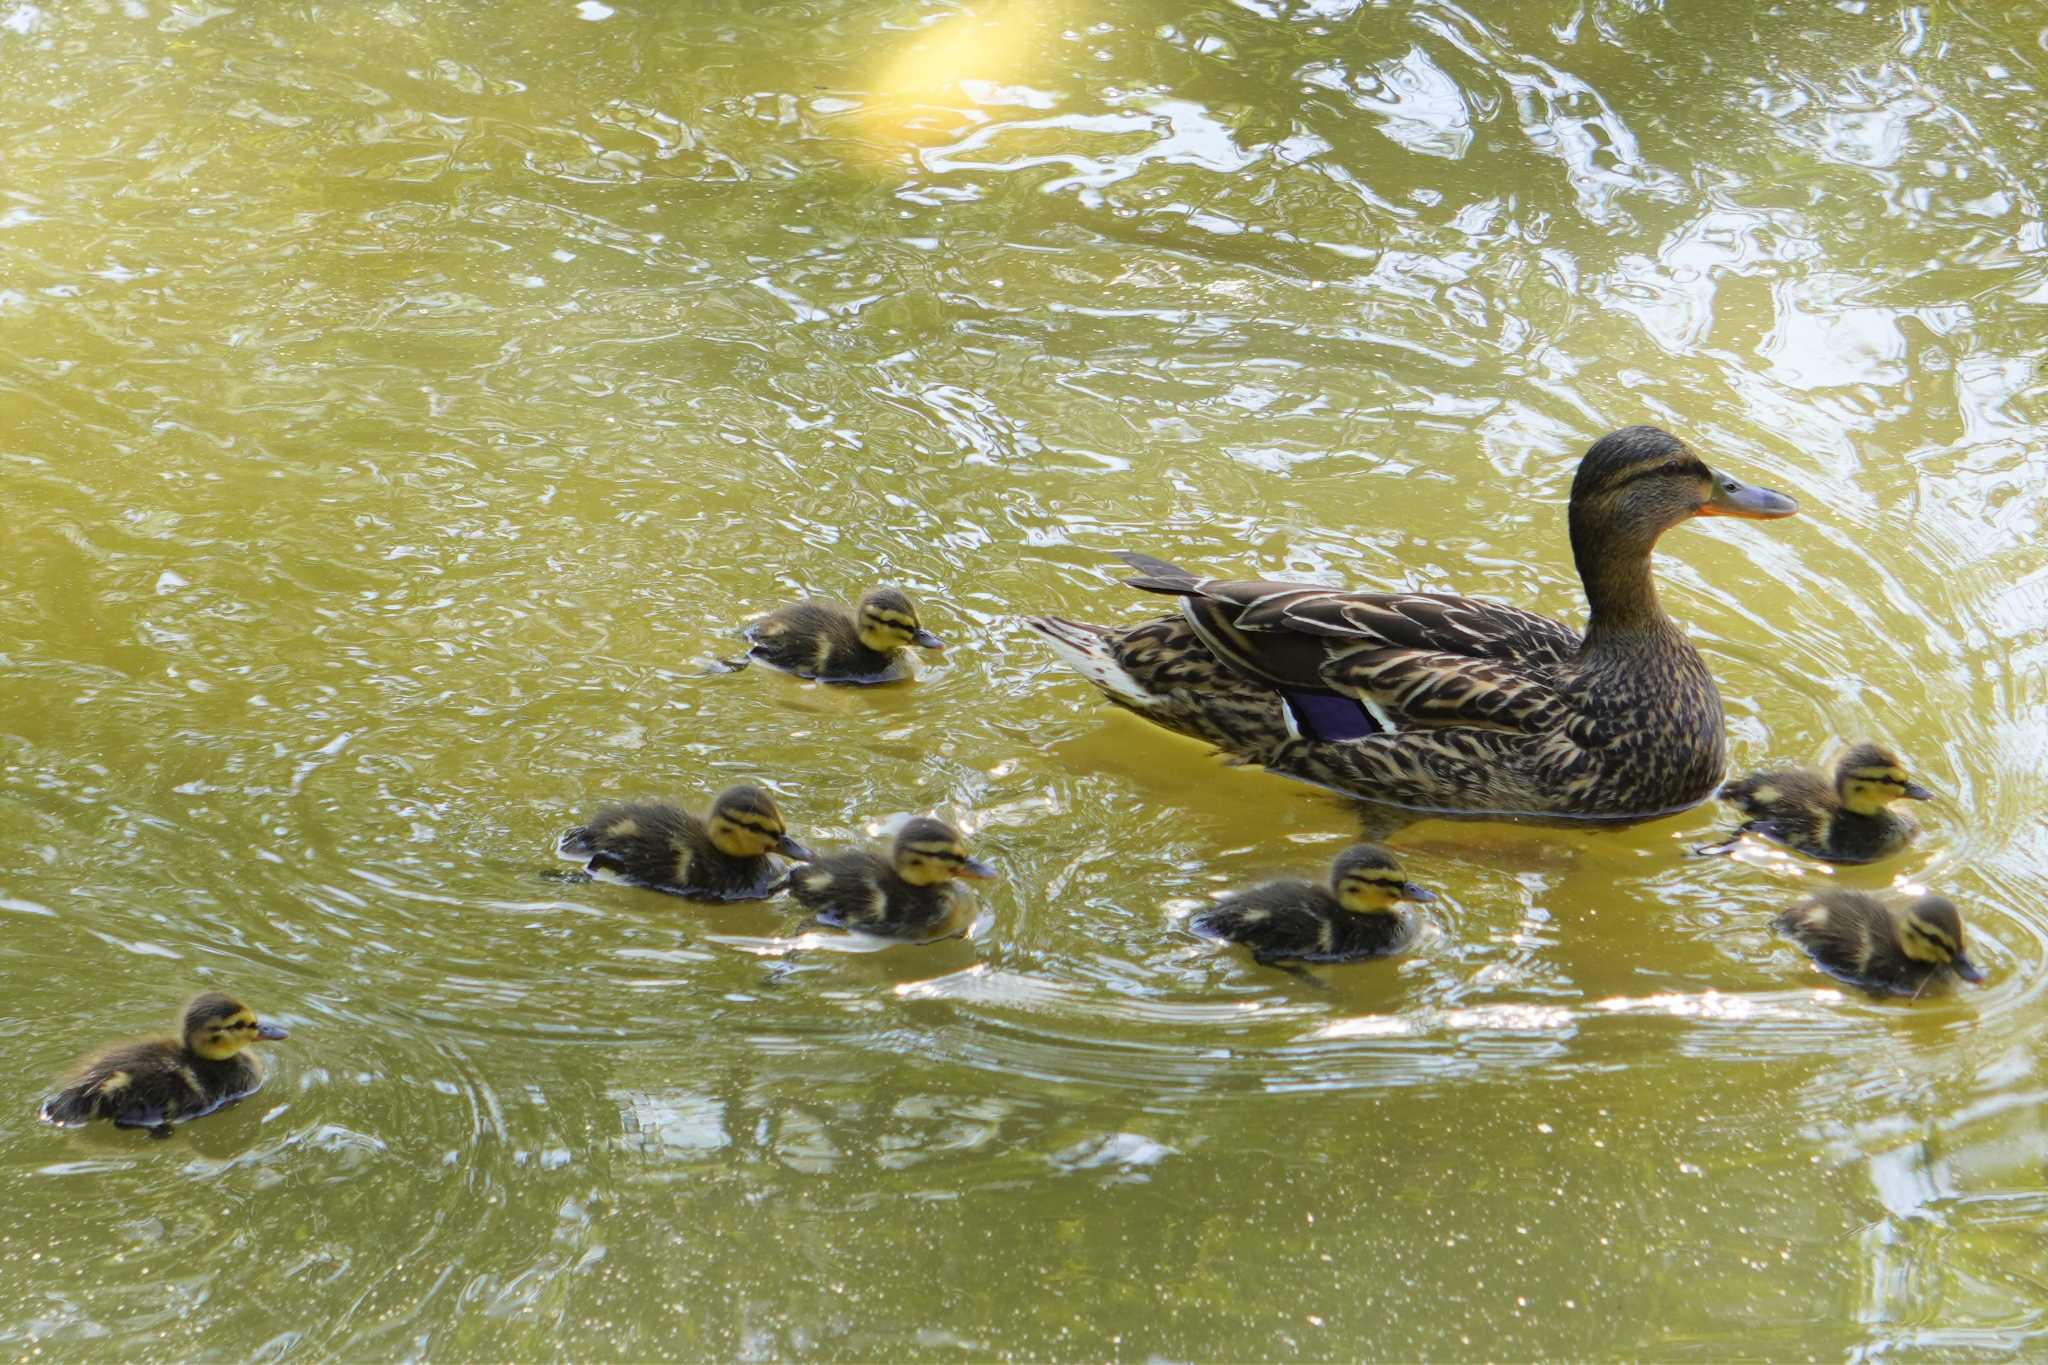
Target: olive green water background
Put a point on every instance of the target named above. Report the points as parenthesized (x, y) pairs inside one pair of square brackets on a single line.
[(401, 402)]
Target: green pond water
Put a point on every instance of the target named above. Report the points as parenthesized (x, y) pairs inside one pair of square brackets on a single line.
[(401, 403)]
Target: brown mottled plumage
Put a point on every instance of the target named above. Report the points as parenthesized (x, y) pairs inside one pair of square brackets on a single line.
[(825, 641), (909, 894), (723, 857), (1356, 916), (1449, 703), (1862, 941), (1843, 820), (169, 1080)]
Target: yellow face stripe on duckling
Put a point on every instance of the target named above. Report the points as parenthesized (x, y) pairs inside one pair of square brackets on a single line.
[(1865, 791), (1924, 941), (883, 631), (1376, 888), (928, 864), (223, 1038), (744, 834)]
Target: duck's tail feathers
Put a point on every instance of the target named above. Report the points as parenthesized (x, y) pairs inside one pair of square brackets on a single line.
[(1156, 575), (74, 1106), (1088, 651)]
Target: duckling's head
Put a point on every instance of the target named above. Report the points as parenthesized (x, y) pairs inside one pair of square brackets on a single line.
[(1869, 777), (1931, 930), (888, 621), (1368, 879), (931, 851), (218, 1026), (1637, 483), (746, 823)]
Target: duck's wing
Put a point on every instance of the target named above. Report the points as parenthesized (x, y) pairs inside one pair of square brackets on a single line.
[(1412, 659)]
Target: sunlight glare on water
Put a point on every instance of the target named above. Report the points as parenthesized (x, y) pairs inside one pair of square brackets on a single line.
[(402, 407)]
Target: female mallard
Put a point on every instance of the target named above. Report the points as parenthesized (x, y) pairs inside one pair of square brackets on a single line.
[(826, 642), (722, 857), (1356, 916), (909, 894), (169, 1080), (1449, 703), (1847, 820), (1860, 940)]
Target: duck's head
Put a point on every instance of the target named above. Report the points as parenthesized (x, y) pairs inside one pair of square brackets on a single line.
[(746, 823), (1931, 930), (1368, 879), (218, 1026), (1637, 483), (887, 620), (1870, 777), (931, 851)]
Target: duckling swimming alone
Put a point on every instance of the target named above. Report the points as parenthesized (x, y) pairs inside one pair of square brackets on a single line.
[(1354, 917), (164, 1081), (906, 895), (659, 845), (826, 642), (1847, 820), (1859, 939)]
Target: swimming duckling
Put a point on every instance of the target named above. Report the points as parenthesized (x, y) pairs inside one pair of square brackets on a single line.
[(1844, 821), (723, 857), (1859, 939), (825, 641), (168, 1080), (1298, 921), (906, 895)]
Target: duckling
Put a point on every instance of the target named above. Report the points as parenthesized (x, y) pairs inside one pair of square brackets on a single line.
[(906, 895), (723, 857), (1859, 939), (1299, 921), (1843, 821), (826, 642), (164, 1081)]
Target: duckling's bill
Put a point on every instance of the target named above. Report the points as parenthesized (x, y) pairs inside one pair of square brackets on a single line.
[(271, 1033), (1414, 891), (791, 849), (924, 639)]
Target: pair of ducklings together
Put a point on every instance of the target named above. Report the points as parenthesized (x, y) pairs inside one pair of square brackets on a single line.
[(726, 856), (1855, 937)]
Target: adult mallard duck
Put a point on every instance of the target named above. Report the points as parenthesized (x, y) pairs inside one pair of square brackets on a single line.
[(826, 642), (909, 894), (1860, 940), (1448, 703), (1845, 819), (1356, 916), (164, 1081), (658, 845)]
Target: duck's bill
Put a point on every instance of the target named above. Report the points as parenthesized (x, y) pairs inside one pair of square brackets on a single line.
[(1915, 792), (790, 848), (977, 869), (1967, 970), (270, 1033), (1411, 892), (1734, 499), (924, 639)]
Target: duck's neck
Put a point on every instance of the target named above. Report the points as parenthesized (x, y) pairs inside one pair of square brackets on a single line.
[(1614, 566)]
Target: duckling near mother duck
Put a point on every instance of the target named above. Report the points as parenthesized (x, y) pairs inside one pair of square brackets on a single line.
[(1450, 703), (1862, 941), (1846, 820), (1354, 917), (826, 642), (909, 894), (661, 846), (164, 1081)]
